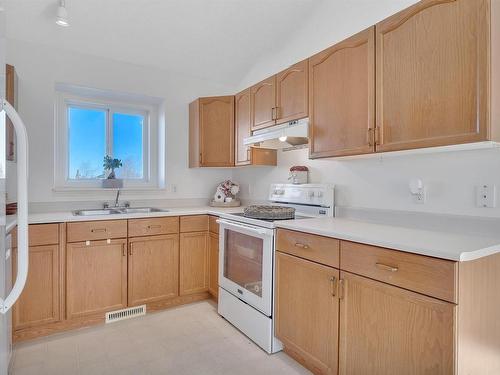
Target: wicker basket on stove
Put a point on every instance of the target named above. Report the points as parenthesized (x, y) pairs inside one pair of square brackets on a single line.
[(269, 212)]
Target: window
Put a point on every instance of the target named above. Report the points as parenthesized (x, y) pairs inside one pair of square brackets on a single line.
[(88, 129), (95, 133)]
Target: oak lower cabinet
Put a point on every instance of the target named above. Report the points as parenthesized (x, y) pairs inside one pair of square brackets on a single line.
[(153, 269), (213, 280), (211, 132), (42, 299), (342, 98), (386, 330), (193, 263), (307, 312), (96, 274)]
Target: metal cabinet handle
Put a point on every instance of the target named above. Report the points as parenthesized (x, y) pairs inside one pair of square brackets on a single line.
[(301, 245), (130, 249), (370, 136), (154, 226), (98, 230), (333, 282), (272, 113), (386, 267)]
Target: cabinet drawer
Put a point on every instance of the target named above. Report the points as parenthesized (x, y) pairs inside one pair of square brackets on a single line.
[(96, 230), (40, 234), (153, 226), (309, 246), (213, 225), (195, 223), (422, 274)]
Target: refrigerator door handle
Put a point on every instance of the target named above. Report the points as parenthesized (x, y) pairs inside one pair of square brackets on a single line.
[(22, 207)]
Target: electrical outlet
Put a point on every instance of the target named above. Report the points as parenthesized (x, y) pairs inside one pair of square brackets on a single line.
[(486, 196)]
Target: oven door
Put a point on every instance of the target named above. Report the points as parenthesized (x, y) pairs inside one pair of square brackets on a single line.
[(246, 263)]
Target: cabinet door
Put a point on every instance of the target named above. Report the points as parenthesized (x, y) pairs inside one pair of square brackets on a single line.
[(243, 124), (432, 75), (341, 98), (307, 311), (386, 330), (153, 269), (292, 93), (263, 101), (11, 96), (213, 282), (193, 263), (40, 300), (216, 124), (96, 277)]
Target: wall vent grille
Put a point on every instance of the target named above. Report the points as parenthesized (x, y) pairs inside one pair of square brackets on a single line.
[(131, 312)]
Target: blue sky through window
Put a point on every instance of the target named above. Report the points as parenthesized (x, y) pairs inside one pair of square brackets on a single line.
[(127, 144), (87, 143)]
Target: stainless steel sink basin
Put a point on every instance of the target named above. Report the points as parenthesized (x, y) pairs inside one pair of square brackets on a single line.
[(96, 212), (141, 210), (117, 211)]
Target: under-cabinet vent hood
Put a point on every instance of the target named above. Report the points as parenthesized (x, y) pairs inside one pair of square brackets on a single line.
[(291, 134)]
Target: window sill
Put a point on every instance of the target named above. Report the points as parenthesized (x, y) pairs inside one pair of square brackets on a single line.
[(70, 189)]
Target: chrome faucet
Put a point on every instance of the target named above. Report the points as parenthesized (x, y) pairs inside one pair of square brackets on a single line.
[(117, 197)]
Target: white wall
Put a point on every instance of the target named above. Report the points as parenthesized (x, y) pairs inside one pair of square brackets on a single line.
[(382, 182), (39, 67), (371, 183), (330, 22)]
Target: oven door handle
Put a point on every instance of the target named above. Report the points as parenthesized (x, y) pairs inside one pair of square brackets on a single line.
[(258, 230)]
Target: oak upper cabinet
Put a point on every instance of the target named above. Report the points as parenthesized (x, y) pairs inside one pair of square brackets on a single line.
[(41, 301), (280, 98), (307, 312), (193, 258), (433, 75), (292, 93), (11, 96), (153, 269), (386, 330), (341, 98), (263, 103), (211, 132), (246, 155), (96, 277)]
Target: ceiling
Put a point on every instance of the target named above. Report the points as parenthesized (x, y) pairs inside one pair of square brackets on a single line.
[(218, 40)]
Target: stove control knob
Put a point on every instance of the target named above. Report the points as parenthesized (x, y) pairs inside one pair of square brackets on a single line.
[(311, 194), (319, 194)]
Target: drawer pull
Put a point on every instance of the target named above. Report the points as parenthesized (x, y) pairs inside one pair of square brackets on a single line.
[(385, 267), (154, 226), (98, 230), (301, 245)]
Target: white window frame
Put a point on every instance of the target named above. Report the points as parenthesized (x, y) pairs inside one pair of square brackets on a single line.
[(152, 179)]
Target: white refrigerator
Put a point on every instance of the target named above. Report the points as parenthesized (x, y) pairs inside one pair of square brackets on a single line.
[(10, 292)]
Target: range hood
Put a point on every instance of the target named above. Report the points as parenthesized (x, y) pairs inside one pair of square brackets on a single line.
[(291, 134)]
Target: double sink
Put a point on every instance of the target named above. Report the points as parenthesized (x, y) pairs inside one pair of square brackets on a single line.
[(117, 211)]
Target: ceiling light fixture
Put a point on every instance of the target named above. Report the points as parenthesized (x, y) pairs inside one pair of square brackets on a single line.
[(62, 14)]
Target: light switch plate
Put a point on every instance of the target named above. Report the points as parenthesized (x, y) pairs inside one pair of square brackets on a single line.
[(486, 196)]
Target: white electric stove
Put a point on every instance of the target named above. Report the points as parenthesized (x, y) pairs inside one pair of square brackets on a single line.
[(246, 259)]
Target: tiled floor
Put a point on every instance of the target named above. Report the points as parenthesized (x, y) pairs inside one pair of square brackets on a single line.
[(190, 339)]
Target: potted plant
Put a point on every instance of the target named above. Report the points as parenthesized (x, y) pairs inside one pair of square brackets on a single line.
[(111, 164)]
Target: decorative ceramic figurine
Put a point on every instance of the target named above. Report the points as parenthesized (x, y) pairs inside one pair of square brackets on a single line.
[(225, 194)]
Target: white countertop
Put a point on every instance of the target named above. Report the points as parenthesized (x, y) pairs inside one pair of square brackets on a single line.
[(67, 216), (452, 246), (443, 244)]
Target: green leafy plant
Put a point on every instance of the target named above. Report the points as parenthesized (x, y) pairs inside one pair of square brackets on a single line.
[(111, 164)]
